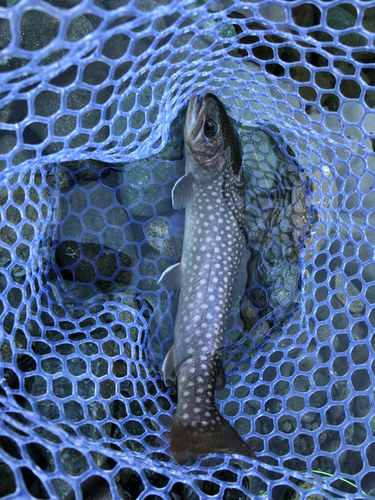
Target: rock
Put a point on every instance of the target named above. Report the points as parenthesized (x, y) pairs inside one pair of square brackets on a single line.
[(157, 229), (73, 462), (291, 494), (103, 492), (63, 489), (8, 142), (8, 482)]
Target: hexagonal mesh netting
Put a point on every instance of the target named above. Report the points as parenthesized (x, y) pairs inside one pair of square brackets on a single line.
[(91, 109)]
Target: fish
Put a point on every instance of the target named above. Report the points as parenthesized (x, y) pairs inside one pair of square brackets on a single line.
[(208, 280)]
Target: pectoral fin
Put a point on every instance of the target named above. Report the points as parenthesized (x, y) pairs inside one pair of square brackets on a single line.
[(182, 191), (169, 368), (171, 278)]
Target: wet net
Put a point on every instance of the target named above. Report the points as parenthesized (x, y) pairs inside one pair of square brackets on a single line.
[(91, 112)]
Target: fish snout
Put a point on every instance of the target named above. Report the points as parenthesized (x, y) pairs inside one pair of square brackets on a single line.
[(195, 105)]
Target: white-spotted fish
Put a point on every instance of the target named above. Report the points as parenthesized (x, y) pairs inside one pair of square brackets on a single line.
[(209, 278)]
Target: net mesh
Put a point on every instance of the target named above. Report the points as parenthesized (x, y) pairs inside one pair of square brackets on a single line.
[(91, 118)]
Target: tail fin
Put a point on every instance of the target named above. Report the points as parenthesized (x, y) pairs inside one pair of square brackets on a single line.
[(187, 441)]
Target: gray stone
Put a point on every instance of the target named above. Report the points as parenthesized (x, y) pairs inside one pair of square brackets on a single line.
[(172, 247), (7, 143), (7, 110), (78, 28), (127, 195), (103, 492), (292, 494), (8, 482), (157, 229), (73, 462), (63, 489), (163, 171)]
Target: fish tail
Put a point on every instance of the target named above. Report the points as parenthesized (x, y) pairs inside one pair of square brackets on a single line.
[(189, 439)]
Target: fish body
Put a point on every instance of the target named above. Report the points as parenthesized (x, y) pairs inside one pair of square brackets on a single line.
[(209, 278)]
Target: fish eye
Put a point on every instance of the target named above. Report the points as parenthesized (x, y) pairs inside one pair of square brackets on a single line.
[(211, 128)]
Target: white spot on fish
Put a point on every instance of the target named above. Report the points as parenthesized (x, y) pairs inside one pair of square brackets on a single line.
[(197, 410), (198, 399), (184, 406), (186, 393), (185, 416)]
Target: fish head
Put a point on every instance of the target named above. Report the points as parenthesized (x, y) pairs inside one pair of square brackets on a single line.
[(211, 143)]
